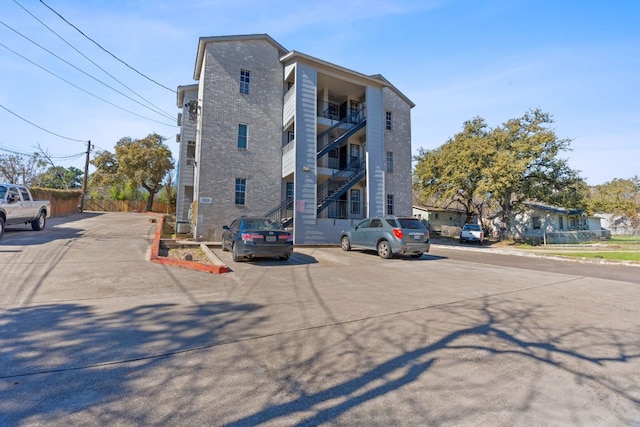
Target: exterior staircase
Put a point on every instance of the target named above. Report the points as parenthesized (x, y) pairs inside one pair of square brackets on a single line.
[(341, 181)]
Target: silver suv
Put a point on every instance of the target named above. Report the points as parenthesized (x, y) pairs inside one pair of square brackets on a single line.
[(388, 235)]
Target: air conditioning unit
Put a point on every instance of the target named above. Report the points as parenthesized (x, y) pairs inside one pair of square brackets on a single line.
[(178, 137), (179, 119), (191, 161)]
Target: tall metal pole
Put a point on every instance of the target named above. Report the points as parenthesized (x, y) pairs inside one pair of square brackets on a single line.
[(84, 179)]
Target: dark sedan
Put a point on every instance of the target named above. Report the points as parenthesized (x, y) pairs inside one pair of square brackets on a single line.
[(250, 237)]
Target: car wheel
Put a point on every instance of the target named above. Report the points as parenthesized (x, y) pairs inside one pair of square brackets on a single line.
[(1, 226), (39, 223), (284, 257), (234, 249), (384, 249), (417, 255), (224, 247), (344, 243)]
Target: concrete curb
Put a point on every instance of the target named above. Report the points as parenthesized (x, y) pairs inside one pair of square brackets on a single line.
[(217, 268)]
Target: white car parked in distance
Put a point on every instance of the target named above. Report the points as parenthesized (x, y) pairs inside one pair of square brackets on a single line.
[(471, 233)]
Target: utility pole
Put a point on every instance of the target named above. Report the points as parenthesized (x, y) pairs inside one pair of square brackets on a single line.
[(84, 179)]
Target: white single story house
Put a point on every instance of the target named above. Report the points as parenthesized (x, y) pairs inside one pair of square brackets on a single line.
[(540, 220)]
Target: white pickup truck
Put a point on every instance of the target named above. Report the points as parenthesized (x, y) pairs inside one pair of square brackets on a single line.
[(471, 233), (18, 207)]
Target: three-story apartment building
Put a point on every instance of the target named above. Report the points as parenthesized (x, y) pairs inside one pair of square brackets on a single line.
[(272, 132)]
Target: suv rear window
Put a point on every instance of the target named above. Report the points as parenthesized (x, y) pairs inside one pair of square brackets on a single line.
[(411, 223)]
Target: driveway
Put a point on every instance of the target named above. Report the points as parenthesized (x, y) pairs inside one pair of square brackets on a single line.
[(94, 334)]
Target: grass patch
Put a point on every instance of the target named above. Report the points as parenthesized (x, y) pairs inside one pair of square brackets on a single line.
[(623, 240), (612, 256)]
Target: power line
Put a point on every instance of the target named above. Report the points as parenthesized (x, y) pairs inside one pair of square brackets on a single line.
[(89, 59), (85, 73), (83, 90), (13, 150), (105, 50), (40, 127)]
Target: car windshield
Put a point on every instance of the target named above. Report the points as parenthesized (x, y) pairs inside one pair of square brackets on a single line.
[(473, 227), (262, 224)]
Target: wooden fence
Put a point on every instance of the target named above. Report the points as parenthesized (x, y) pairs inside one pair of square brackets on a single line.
[(126, 206), (63, 202)]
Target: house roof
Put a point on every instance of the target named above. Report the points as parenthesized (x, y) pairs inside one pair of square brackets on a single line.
[(553, 209), (439, 209)]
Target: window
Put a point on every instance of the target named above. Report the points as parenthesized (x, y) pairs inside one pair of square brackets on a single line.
[(355, 202), (242, 136), (354, 156), (191, 151), (290, 190), (537, 222), (389, 204), (389, 121), (241, 190), (363, 224), (13, 196), (389, 161), (25, 194), (290, 195), (244, 81)]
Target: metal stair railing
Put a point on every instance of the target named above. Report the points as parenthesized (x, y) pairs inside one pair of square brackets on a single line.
[(353, 122), (279, 213), (344, 179)]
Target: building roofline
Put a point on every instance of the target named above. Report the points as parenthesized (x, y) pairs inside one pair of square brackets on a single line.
[(376, 79), (395, 89), (438, 209), (181, 90), (204, 41), (554, 209)]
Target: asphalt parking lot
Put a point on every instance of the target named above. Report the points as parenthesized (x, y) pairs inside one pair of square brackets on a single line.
[(92, 333)]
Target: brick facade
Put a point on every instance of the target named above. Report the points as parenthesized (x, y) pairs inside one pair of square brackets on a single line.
[(287, 125)]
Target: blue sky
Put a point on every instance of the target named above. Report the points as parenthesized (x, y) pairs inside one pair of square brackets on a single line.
[(457, 59)]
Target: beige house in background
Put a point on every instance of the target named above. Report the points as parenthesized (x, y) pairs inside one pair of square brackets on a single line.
[(267, 131), (440, 219)]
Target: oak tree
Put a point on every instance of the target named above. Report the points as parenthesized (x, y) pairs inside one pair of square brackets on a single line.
[(620, 197), (139, 162), (502, 167)]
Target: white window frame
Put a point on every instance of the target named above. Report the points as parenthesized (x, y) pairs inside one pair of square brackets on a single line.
[(245, 81)]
